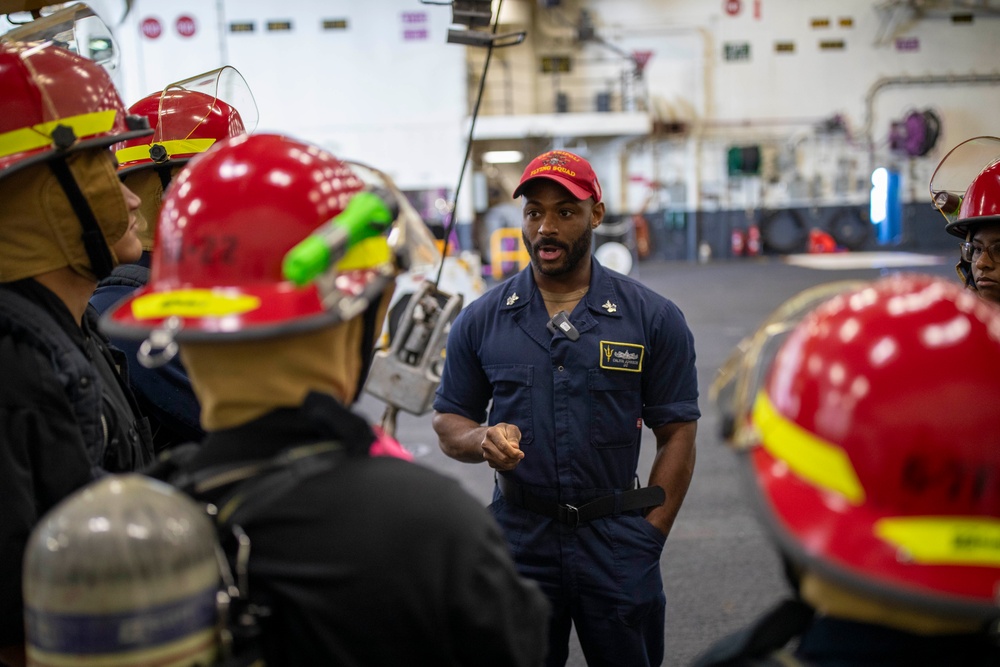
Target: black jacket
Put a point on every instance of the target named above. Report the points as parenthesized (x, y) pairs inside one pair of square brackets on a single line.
[(66, 416), (370, 560), (165, 395)]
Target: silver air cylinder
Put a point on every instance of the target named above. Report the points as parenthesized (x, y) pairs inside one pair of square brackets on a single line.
[(123, 572)]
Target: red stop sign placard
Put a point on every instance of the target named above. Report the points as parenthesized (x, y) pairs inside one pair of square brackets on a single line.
[(185, 25), (151, 27)]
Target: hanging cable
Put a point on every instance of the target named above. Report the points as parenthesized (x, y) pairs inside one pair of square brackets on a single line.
[(468, 147)]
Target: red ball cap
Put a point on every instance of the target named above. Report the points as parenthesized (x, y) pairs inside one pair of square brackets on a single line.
[(568, 170)]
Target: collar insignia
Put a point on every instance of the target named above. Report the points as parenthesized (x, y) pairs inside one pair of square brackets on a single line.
[(512, 298), (610, 307)]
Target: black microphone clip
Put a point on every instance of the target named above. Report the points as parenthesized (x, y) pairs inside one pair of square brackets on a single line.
[(560, 322)]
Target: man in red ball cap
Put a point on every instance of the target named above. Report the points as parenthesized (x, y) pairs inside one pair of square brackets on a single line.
[(568, 170), (549, 378)]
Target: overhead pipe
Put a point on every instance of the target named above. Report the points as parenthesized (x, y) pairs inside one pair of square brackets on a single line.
[(921, 80)]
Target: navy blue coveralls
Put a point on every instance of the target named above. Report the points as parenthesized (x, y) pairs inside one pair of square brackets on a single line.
[(165, 394), (580, 406)]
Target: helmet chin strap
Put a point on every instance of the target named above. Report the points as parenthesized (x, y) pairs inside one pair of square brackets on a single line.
[(963, 268), (101, 262), (373, 316), (162, 164), (964, 271), (164, 172)]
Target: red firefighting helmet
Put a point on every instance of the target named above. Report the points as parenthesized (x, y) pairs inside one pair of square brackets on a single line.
[(965, 186), (55, 102), (875, 460), (225, 227), (187, 117)]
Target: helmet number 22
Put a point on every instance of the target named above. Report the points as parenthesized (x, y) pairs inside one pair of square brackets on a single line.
[(209, 250)]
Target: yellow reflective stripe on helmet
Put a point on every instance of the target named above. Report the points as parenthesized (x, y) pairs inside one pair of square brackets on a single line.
[(944, 540), (817, 461), (39, 136), (192, 303), (173, 147), (366, 254)]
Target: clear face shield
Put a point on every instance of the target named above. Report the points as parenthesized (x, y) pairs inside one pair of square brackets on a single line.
[(354, 277), (181, 114), (75, 28), (744, 372), (409, 237), (957, 170), (332, 255)]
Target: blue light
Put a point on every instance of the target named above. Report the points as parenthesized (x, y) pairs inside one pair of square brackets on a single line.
[(880, 192), (886, 207)]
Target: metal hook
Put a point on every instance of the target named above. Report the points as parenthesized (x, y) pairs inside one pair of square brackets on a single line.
[(242, 562), (160, 347)]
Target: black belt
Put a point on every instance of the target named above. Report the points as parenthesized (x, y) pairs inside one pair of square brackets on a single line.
[(514, 493)]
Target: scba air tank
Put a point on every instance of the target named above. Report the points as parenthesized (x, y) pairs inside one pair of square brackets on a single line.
[(123, 572)]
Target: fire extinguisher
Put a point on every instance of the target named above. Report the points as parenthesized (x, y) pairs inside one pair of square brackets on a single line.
[(753, 240), (642, 241), (738, 242)]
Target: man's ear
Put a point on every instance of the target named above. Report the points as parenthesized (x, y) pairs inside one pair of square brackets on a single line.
[(597, 215)]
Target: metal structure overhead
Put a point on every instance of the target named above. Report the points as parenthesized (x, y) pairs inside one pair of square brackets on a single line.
[(897, 16)]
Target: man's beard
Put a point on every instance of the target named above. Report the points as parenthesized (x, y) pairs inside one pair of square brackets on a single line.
[(574, 253)]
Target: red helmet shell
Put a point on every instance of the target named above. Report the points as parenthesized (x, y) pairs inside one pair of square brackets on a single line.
[(225, 226), (981, 203), (46, 87), (879, 460), (179, 118)]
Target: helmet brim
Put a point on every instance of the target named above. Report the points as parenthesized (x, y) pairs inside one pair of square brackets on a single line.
[(961, 228), (170, 163), (829, 535), (43, 155), (247, 312)]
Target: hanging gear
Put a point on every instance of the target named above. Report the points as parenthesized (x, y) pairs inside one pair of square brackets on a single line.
[(407, 373)]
